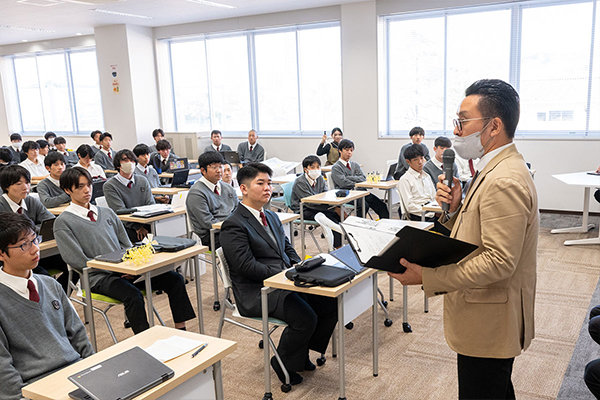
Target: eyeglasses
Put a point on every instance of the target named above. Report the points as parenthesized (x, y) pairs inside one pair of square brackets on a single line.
[(458, 123), (27, 245)]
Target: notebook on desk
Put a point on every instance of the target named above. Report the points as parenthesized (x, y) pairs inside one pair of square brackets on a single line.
[(121, 377)]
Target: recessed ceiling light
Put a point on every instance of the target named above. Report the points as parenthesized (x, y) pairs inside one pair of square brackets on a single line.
[(25, 28), (24, 40), (40, 3), (122, 14), (79, 34), (211, 3)]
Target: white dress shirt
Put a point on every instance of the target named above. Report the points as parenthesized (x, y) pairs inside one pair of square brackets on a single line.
[(211, 185), (415, 190), (145, 169), (82, 212), (483, 161), (124, 180), (18, 284), (14, 206), (55, 181), (35, 169), (94, 170), (254, 212)]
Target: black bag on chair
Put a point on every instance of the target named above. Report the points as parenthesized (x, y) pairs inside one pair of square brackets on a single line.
[(321, 275)]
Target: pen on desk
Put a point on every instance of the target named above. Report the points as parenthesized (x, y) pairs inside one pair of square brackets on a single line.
[(194, 354)]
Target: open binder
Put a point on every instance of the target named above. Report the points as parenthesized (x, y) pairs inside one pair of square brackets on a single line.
[(382, 247)]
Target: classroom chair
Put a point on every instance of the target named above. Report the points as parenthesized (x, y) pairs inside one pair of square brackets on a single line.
[(309, 226)]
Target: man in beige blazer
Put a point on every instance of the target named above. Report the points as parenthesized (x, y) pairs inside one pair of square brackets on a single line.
[(489, 296)]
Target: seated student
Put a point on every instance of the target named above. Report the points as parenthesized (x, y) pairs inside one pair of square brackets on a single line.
[(50, 137), (5, 157), (14, 181), (417, 134), (51, 195), (256, 248), (106, 155), (210, 200), (97, 145), (44, 148), (251, 151), (308, 184), (75, 243), (126, 190), (161, 160), (345, 174), (216, 145), (144, 168), (34, 163), (228, 175), (16, 143), (158, 135), (84, 152), (434, 167), (70, 156), (40, 332), (331, 149)]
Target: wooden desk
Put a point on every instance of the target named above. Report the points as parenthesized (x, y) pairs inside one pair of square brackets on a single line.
[(37, 179), (588, 182), (57, 386), (353, 298), (280, 180), (58, 210), (48, 248), (158, 260), (430, 207), (169, 191), (169, 175), (388, 186), (331, 199)]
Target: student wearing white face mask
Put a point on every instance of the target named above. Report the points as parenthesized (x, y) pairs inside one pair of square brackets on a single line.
[(308, 184), (126, 190), (16, 142)]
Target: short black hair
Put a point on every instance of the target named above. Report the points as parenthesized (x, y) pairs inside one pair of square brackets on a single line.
[(163, 145), (157, 132), (417, 130), (85, 150), (498, 99), (336, 129), (225, 162), (60, 140), (310, 160), (94, 133), (12, 174), (208, 158), (43, 143), (125, 153), (71, 176), (345, 144), (141, 149), (13, 226), (216, 132), (5, 155), (53, 157), (30, 145), (105, 135), (414, 151), (249, 171), (15, 136), (442, 141), (49, 135)]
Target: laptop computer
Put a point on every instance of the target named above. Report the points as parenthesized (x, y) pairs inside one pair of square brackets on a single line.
[(47, 230), (179, 164), (122, 377), (97, 189), (346, 255), (231, 156), (180, 178), (391, 172)]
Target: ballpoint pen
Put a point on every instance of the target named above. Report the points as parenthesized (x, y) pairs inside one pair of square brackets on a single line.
[(194, 354)]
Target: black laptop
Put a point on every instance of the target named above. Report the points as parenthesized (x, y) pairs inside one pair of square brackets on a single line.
[(121, 377), (231, 156), (47, 230), (178, 164), (97, 189), (180, 178)]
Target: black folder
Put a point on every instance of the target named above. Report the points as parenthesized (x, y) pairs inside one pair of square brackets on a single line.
[(426, 248)]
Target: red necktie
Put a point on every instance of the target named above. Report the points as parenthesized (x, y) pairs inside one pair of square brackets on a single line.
[(146, 171), (216, 190), (129, 184), (251, 148), (348, 166), (33, 293), (65, 153), (109, 156), (471, 167), (20, 210), (263, 219), (217, 148), (91, 216)]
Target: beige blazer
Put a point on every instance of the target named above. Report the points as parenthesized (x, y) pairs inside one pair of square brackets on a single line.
[(489, 296)]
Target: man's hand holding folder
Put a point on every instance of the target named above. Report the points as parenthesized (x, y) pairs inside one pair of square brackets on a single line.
[(412, 276)]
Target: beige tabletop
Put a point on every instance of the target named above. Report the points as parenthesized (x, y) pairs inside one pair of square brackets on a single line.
[(329, 197), (58, 210), (50, 244), (283, 217), (168, 190), (111, 171), (326, 168), (432, 206), (384, 185), (140, 220), (57, 387), (169, 175), (278, 180)]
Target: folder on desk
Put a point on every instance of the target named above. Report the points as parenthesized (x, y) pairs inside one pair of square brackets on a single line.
[(383, 250)]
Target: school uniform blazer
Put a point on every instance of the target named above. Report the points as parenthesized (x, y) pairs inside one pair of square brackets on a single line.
[(253, 257), (489, 296)]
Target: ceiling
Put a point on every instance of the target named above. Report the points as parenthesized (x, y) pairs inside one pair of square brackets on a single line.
[(33, 20)]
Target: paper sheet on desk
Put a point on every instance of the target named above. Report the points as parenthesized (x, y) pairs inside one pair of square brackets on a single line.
[(170, 348)]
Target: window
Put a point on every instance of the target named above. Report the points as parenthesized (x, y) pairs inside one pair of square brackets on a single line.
[(543, 48), (57, 92), (278, 81)]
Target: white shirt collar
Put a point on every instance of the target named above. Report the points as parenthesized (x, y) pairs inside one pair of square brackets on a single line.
[(310, 180), (437, 163), (82, 211), (124, 180), (343, 162), (215, 147), (483, 161), (18, 284), (211, 185), (142, 169), (55, 181), (254, 212), (14, 206), (418, 175), (104, 151), (254, 145)]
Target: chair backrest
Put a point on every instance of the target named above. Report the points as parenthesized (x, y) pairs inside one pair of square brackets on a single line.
[(287, 193), (329, 180), (101, 202), (223, 269), (402, 207)]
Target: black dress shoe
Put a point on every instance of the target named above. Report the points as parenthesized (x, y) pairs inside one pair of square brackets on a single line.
[(295, 377), (308, 365)]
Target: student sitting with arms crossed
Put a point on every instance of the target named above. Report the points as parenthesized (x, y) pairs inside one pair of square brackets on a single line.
[(78, 247), (311, 183), (209, 200), (105, 156), (86, 153), (251, 151), (70, 156), (40, 332), (256, 248), (345, 174), (51, 195), (125, 190)]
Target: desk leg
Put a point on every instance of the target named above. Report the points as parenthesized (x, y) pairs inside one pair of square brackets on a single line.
[(364, 210), (405, 325), (342, 350), (389, 191), (585, 225), (423, 215), (342, 213), (266, 345), (198, 294), (302, 249), (218, 378), (149, 299), (375, 332), (89, 313), (213, 260), (292, 233), (153, 229)]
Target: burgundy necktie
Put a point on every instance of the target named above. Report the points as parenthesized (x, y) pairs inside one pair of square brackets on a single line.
[(33, 293), (313, 185), (65, 153), (471, 167), (91, 216), (146, 171), (251, 148), (216, 190), (348, 166), (20, 210), (217, 148), (109, 156), (129, 184), (263, 219)]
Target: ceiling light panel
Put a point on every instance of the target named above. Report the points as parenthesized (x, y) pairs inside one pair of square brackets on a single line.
[(121, 14), (211, 3)]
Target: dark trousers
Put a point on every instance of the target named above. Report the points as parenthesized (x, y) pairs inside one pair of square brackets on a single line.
[(129, 294), (311, 320), (309, 214), (376, 204), (592, 369), (437, 226), (132, 233), (484, 378), (55, 262)]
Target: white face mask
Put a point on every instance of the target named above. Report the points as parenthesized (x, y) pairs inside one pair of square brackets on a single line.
[(470, 147), (314, 174), (17, 145), (51, 141), (127, 167)]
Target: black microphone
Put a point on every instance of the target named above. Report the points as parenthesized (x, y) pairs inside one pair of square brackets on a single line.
[(448, 164)]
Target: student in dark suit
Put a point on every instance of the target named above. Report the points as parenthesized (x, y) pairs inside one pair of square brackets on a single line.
[(16, 142), (70, 156), (256, 248), (95, 135)]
